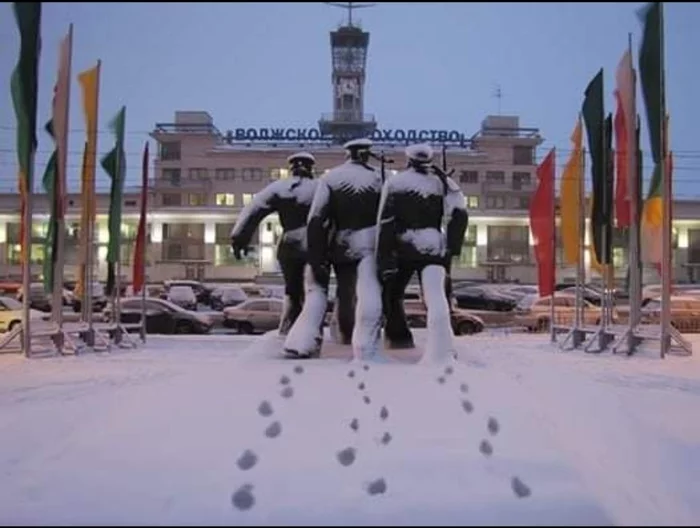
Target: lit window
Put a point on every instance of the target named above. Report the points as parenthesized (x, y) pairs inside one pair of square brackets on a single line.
[(473, 202), (225, 199), (247, 198), (284, 173)]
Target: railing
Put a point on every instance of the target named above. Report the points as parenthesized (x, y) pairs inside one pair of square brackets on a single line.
[(186, 128), (348, 116)]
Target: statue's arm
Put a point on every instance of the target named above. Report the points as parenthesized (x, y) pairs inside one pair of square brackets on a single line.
[(386, 232), (318, 228), (457, 218), (262, 204)]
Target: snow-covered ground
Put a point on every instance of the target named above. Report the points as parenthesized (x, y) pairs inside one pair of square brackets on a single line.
[(159, 436)]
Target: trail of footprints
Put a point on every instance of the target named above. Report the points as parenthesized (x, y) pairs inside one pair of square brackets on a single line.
[(347, 456), (243, 498), (520, 489)]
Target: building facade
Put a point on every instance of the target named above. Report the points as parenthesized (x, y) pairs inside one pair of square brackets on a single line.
[(203, 178)]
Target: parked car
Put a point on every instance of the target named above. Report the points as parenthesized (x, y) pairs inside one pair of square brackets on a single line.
[(11, 314), (254, 315), (685, 312), (591, 295), (202, 292), (183, 296), (227, 296), (534, 313), (99, 299), (483, 298), (463, 323), (162, 317)]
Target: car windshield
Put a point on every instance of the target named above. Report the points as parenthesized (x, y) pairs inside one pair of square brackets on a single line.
[(181, 293), (11, 304), (654, 305), (97, 289), (526, 302)]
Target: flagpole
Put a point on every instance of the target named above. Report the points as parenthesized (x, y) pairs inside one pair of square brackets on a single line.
[(144, 250), (553, 220), (666, 255), (634, 284), (26, 263), (60, 205), (580, 263), (91, 222), (116, 294)]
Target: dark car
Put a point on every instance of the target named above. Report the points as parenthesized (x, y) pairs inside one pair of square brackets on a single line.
[(202, 292), (481, 298), (162, 317), (463, 323), (99, 299)]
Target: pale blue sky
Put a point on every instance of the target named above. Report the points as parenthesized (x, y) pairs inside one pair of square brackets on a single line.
[(430, 65)]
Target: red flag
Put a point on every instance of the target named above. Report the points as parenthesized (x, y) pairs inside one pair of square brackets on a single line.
[(139, 267), (623, 213), (542, 224), (625, 141)]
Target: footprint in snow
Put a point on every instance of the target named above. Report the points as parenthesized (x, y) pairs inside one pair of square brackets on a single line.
[(247, 460), (273, 430), (243, 498), (265, 409), (377, 487), (287, 392), (346, 456)]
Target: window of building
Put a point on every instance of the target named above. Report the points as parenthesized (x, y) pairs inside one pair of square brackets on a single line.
[(472, 202), (508, 244), (172, 176), (172, 199), (197, 199), (14, 254), (521, 179), (183, 231), (199, 174), (247, 198), (468, 258), (130, 203), (279, 174), (693, 246), (225, 174), (257, 174), (225, 199), (523, 155), (129, 230), (170, 150), (469, 176), (495, 176), (247, 173), (495, 202)]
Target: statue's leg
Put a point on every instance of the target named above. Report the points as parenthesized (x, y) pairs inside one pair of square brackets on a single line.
[(440, 347), (306, 335), (397, 333), (293, 273), (346, 277), (366, 334)]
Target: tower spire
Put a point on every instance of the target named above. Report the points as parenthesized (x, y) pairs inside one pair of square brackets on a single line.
[(349, 6)]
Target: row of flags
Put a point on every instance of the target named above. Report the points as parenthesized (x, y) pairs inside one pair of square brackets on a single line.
[(615, 174), (24, 88)]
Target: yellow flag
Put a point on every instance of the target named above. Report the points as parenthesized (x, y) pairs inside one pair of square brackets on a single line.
[(89, 82), (570, 201)]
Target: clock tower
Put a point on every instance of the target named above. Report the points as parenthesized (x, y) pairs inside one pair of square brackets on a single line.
[(349, 55)]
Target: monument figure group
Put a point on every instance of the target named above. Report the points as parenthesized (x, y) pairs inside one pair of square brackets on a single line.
[(374, 235)]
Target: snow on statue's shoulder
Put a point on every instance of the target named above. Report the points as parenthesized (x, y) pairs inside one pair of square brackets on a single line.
[(411, 181), (302, 189)]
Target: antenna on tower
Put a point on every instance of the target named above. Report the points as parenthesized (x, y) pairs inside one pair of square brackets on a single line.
[(349, 6), (498, 94)]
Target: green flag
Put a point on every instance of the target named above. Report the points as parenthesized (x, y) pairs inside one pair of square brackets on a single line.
[(114, 163), (49, 183), (601, 208), (24, 98), (651, 75)]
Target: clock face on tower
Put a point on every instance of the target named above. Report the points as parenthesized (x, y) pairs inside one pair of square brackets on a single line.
[(347, 87)]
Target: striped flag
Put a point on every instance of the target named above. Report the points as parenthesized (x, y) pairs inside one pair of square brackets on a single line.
[(139, 266)]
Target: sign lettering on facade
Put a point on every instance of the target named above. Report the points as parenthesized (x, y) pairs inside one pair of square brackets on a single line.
[(314, 135)]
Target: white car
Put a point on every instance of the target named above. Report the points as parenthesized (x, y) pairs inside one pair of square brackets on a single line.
[(11, 314)]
